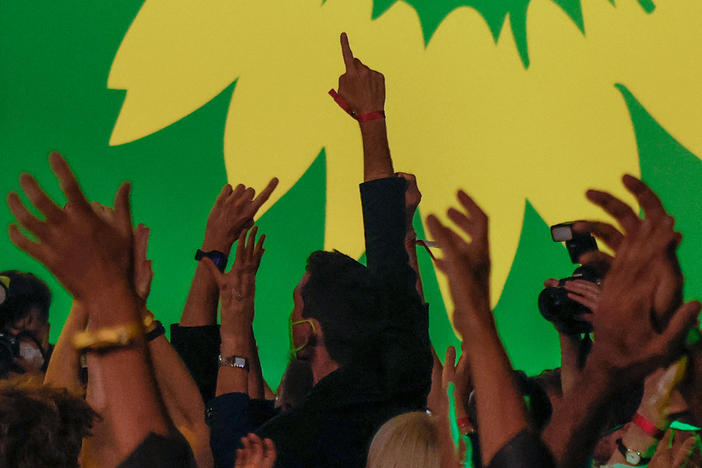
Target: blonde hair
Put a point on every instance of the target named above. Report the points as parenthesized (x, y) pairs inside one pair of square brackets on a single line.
[(409, 440)]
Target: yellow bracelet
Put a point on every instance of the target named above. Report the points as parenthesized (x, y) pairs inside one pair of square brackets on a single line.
[(121, 335)]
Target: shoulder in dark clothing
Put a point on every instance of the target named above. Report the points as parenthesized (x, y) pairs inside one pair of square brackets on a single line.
[(198, 347), (525, 450), (157, 451)]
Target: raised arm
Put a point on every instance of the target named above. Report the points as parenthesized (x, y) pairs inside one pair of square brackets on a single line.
[(363, 90), (500, 408), (640, 324), (178, 389), (237, 291), (64, 365), (66, 238), (233, 211)]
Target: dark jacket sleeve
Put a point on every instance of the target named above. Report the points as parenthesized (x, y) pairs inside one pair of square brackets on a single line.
[(198, 347), (525, 450), (405, 351), (232, 416)]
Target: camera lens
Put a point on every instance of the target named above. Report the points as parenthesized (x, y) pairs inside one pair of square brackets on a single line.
[(563, 312)]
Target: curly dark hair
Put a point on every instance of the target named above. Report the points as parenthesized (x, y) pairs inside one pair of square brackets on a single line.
[(41, 426), (26, 291)]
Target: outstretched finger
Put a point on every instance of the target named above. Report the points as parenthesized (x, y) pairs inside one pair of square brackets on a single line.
[(346, 52), (684, 452), (34, 249), (462, 221), (25, 218), (449, 372), (583, 300), (239, 255), (477, 216), (648, 200), (39, 198), (223, 194), (448, 240), (679, 326), (264, 195), (123, 212), (141, 242), (615, 207), (605, 231), (68, 182), (251, 242), (269, 453), (258, 251)]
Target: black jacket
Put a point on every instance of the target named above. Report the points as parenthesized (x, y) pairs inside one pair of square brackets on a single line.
[(334, 425)]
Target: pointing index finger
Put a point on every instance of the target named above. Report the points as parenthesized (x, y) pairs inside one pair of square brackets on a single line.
[(346, 52)]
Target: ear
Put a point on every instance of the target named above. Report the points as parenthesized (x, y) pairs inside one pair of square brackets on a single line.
[(317, 329)]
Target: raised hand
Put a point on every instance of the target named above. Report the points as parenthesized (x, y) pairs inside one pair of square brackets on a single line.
[(467, 265), (668, 295), (143, 271), (362, 88), (233, 211), (673, 454), (256, 453), (237, 287), (631, 338), (84, 252)]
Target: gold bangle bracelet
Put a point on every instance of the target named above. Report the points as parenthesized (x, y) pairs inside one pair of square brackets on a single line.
[(121, 335)]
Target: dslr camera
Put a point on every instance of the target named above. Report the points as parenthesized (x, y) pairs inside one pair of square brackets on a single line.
[(554, 303)]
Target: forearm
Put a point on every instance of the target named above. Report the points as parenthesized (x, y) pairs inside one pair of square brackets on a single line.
[(201, 305), (255, 382), (377, 163), (182, 398), (133, 406), (569, 361), (64, 366), (577, 419), (500, 407), (234, 379)]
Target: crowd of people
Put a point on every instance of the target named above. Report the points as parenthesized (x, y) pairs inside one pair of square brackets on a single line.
[(364, 386)]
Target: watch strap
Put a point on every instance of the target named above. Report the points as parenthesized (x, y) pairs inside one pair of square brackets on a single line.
[(627, 453), (218, 258)]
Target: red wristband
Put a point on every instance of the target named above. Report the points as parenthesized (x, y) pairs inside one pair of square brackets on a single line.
[(345, 105), (648, 427), (371, 116)]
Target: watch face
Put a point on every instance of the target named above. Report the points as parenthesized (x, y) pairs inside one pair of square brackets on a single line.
[(633, 458)]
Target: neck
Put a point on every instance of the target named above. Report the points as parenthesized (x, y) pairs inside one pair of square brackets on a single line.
[(321, 364)]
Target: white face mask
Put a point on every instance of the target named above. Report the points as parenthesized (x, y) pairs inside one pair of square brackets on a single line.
[(30, 353)]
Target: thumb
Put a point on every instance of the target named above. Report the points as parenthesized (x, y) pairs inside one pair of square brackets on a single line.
[(679, 326), (123, 213), (449, 371), (214, 271)]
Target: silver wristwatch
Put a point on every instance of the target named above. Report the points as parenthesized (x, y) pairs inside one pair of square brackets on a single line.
[(234, 361)]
